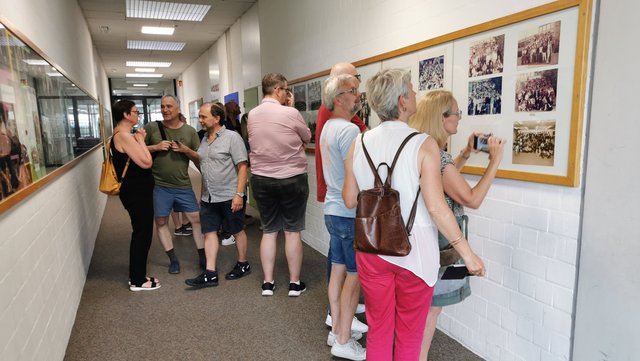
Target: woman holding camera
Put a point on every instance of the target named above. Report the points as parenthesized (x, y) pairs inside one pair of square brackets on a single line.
[(438, 115), (136, 192), (398, 289)]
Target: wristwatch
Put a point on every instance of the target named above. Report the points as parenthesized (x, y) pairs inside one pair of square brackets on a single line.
[(241, 194)]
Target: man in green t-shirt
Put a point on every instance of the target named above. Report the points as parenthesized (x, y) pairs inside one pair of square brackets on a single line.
[(173, 190)]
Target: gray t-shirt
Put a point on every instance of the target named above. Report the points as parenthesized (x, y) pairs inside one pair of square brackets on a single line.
[(218, 161)]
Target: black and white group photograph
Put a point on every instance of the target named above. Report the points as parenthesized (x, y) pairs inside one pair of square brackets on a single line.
[(534, 142), (539, 46), (536, 92), (486, 56), (300, 97), (314, 92), (485, 96), (431, 73)]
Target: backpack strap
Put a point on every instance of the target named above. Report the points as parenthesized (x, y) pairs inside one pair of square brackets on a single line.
[(395, 159), (377, 179), (161, 129)]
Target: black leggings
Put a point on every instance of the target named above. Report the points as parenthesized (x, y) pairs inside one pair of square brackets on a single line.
[(138, 201)]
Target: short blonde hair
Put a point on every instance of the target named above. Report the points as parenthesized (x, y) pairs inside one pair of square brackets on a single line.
[(429, 116), (384, 90)]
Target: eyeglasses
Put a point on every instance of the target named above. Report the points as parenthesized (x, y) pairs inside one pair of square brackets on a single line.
[(135, 111), (353, 91), (358, 76), (450, 113), (287, 90)]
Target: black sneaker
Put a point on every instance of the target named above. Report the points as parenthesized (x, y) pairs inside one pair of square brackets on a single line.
[(188, 227), (206, 279), (239, 270), (267, 288), (183, 231), (296, 289)]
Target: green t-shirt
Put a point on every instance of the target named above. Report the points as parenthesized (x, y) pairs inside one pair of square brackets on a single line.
[(171, 169)]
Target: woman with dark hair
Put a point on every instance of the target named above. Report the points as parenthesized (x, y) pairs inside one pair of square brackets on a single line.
[(398, 289), (136, 193)]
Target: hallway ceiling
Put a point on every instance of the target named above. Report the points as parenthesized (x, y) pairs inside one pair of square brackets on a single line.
[(111, 29)]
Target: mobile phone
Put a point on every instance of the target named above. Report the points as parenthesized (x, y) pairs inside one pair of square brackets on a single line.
[(134, 130), (177, 142), (481, 142), (455, 272)]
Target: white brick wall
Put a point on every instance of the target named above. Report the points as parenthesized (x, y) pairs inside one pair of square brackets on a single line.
[(45, 250), (527, 235)]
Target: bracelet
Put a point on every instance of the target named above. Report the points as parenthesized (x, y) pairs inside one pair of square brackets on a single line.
[(462, 155), (456, 241)]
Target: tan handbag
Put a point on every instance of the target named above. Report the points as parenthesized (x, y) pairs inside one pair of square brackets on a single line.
[(109, 183), (380, 228)]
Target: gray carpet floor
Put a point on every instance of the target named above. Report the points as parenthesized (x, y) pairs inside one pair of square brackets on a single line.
[(230, 322)]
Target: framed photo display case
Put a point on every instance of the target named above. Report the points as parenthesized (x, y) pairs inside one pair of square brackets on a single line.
[(521, 78)]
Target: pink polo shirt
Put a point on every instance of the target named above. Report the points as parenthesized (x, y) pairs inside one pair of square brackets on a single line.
[(277, 137)]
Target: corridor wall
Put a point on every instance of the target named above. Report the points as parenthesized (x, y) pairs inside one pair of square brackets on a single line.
[(46, 240)]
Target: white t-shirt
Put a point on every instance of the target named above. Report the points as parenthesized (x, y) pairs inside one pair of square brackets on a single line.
[(335, 141)]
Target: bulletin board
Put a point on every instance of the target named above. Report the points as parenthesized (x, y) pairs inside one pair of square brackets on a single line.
[(521, 78)]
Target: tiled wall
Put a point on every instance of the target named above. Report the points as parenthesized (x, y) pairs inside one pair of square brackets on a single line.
[(45, 250), (526, 233)]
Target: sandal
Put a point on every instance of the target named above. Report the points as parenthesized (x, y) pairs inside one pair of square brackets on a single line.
[(150, 285)]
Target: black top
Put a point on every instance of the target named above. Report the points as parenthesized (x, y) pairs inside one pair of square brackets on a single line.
[(135, 176)]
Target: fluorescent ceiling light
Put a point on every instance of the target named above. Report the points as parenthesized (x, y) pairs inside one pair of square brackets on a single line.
[(155, 45), (54, 74), (166, 10), (145, 70), (140, 84), (157, 30), (149, 64), (35, 61), (139, 75)]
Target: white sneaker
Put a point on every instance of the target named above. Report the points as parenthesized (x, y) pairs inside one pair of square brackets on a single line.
[(351, 350), (360, 308), (229, 241), (356, 325), (331, 339)]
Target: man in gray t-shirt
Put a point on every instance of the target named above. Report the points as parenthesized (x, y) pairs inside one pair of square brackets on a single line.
[(223, 164)]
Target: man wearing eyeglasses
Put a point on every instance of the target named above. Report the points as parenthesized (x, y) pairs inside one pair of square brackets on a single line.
[(277, 138), (342, 97), (321, 187)]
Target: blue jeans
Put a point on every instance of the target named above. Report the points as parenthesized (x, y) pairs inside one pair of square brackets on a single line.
[(342, 233)]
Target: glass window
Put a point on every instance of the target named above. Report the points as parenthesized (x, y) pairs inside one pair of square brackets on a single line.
[(45, 120)]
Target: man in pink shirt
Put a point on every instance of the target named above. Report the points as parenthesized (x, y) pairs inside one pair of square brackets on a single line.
[(323, 116), (277, 137)]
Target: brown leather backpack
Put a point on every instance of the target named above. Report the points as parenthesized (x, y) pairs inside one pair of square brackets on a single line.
[(380, 228)]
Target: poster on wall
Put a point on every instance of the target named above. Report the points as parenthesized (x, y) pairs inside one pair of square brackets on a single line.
[(314, 93), (300, 97)]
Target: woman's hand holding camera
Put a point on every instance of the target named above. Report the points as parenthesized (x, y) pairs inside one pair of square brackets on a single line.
[(496, 148)]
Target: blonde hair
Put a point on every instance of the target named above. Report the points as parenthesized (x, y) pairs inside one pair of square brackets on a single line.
[(429, 116)]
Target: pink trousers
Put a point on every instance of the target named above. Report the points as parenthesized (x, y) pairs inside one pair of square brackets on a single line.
[(397, 302)]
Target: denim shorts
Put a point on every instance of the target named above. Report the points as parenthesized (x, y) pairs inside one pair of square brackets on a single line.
[(178, 199), (282, 202), (213, 214), (342, 233)]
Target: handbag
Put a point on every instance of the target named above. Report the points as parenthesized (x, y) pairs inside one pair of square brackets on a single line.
[(379, 227), (109, 183), (449, 255)]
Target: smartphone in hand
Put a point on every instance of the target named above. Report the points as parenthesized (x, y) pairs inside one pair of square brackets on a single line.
[(481, 142), (455, 272)]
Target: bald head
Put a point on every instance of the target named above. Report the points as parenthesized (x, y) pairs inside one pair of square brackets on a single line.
[(343, 68)]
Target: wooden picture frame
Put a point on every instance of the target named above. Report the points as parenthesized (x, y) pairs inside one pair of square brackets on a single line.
[(560, 122)]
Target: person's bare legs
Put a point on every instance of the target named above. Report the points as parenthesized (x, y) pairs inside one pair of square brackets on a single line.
[(194, 218), (241, 245), (429, 331), (293, 251), (268, 254), (336, 282), (162, 226), (177, 222), (211, 247), (348, 303)]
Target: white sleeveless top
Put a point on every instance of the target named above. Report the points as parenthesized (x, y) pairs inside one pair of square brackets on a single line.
[(382, 144)]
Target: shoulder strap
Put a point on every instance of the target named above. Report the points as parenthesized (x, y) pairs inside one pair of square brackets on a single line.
[(377, 180), (395, 159), (161, 129), (110, 160)]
